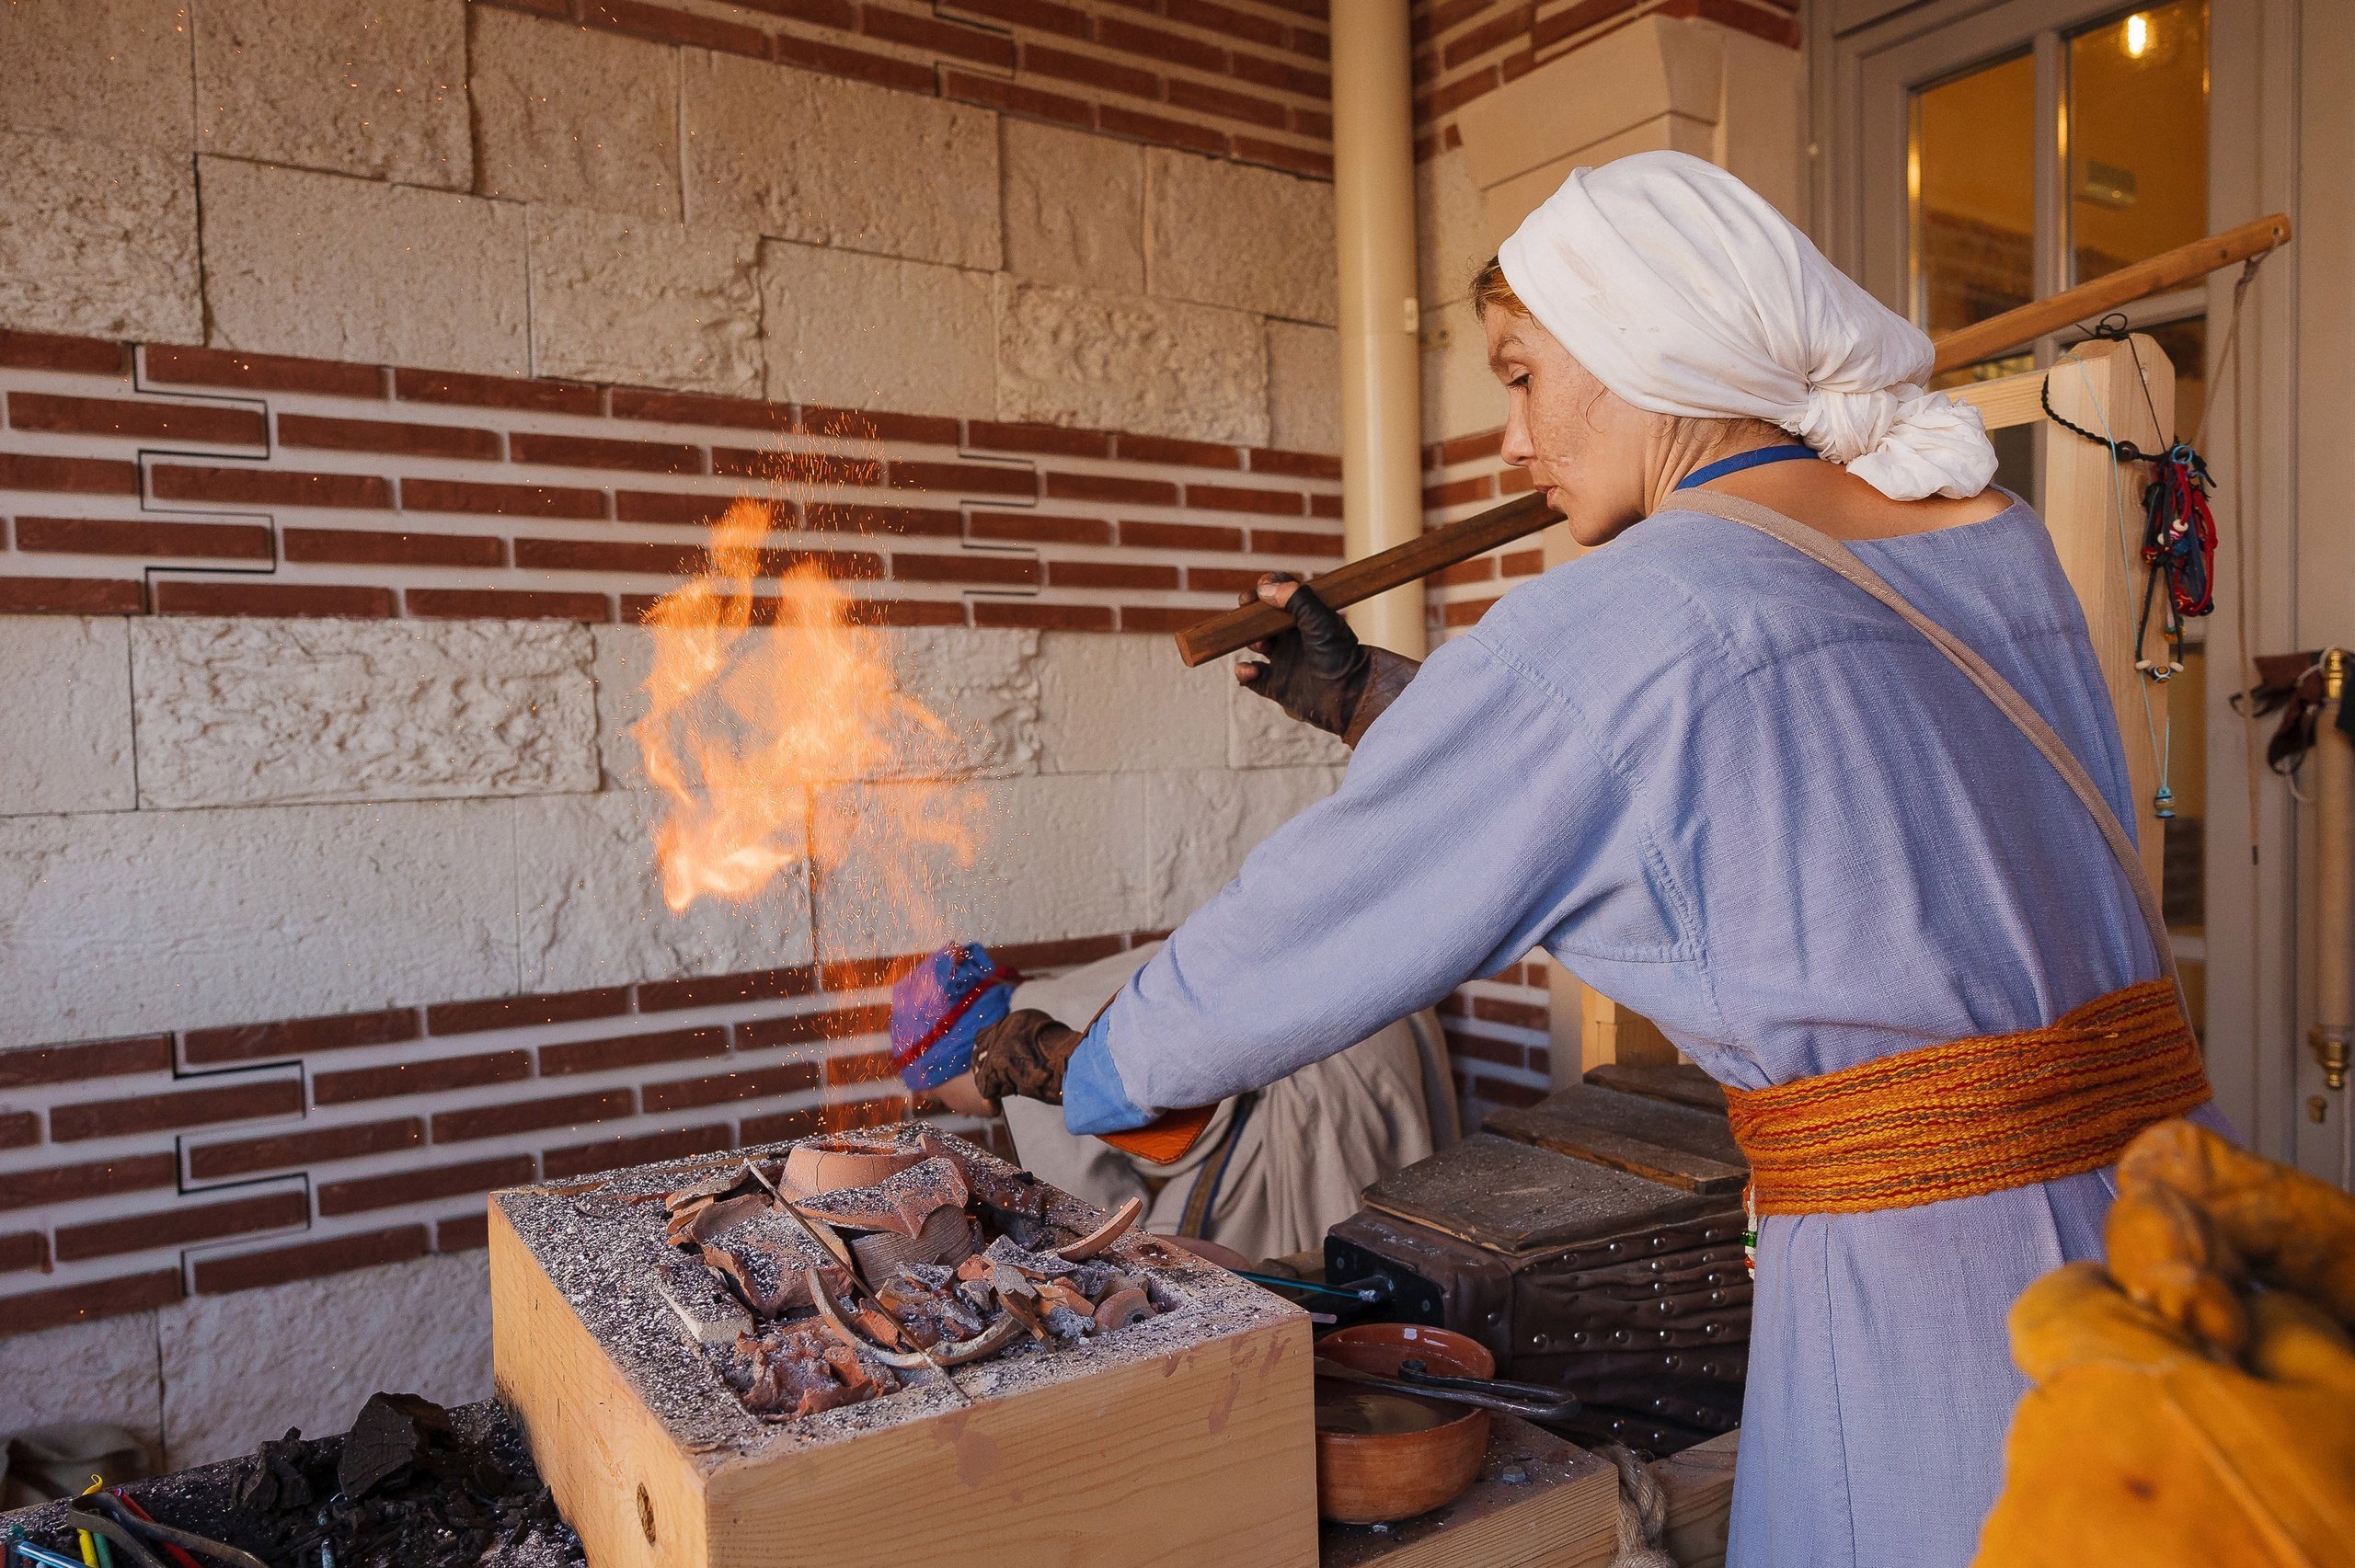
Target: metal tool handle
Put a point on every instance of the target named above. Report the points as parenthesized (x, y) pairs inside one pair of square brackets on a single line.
[(1511, 1399)]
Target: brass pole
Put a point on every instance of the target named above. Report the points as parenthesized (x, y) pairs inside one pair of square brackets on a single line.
[(2335, 877)]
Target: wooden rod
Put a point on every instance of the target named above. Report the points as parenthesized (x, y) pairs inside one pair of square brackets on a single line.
[(1445, 545), (1419, 557), (2168, 270)]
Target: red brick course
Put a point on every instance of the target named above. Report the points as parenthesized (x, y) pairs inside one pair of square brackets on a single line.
[(248, 1100), (183, 1226), (307, 1260), (528, 1115), (632, 1050), (759, 1084), (22, 1066), (420, 1077), (365, 1193), (127, 536), (297, 1150), (508, 1011), (206, 422), (61, 1304), (614, 1153)]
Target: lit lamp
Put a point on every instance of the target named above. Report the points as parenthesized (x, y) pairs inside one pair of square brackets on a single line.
[(2138, 36)]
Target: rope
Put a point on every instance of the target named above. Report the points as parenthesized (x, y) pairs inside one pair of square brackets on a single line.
[(1643, 1511)]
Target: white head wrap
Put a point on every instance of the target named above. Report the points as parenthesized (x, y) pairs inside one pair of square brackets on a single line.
[(1686, 293)]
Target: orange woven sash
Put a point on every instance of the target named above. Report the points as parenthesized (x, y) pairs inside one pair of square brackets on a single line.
[(1975, 1115)]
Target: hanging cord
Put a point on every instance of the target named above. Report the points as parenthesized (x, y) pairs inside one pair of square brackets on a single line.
[(2162, 799)]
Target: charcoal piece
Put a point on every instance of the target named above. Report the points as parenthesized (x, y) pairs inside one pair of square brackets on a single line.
[(273, 1480), (394, 1434), (1064, 1323)]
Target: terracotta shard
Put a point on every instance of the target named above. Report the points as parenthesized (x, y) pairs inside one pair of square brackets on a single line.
[(1055, 1293), (903, 1203), (947, 1238), (1122, 1308), (831, 1165), (1104, 1235), (712, 1219), (849, 1336), (996, 1337), (713, 1186)]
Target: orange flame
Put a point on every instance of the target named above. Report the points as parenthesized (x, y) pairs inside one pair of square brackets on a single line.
[(757, 734)]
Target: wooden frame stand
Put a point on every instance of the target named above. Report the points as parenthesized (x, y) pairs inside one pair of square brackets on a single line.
[(1183, 1439)]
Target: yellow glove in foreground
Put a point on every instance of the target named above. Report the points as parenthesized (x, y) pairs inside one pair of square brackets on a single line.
[(2194, 1403)]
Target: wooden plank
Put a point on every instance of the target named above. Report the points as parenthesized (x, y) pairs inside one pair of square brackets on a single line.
[(1699, 1483), (2087, 302), (1560, 1510), (1512, 1198), (1611, 1033), (1680, 1083), (1677, 1145), (597, 1445), (2005, 401), (2093, 510)]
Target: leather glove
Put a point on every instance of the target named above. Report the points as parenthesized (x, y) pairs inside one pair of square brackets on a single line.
[(2180, 1415), (1319, 672), (1024, 1053)]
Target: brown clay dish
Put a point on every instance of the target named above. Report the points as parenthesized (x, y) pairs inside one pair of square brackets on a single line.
[(829, 1165), (1368, 1478)]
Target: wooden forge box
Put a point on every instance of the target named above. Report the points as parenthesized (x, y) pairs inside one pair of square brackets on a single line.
[(1183, 1437)]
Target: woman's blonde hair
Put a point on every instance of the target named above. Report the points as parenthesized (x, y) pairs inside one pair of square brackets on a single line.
[(1490, 291)]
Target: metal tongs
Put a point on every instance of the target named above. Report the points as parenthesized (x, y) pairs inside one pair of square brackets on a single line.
[(127, 1526), (1530, 1402)]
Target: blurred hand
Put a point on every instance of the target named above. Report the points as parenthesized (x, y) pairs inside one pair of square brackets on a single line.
[(2194, 1402)]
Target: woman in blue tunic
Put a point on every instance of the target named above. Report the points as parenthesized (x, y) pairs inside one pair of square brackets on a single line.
[(1729, 789)]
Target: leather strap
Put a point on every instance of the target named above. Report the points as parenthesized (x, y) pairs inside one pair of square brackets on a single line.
[(1830, 552)]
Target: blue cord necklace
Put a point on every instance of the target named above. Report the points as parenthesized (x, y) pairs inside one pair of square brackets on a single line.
[(1756, 457)]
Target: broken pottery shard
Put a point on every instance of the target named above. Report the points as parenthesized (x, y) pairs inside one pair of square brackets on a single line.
[(903, 1203), (718, 1186), (766, 1254), (712, 1220), (1055, 1293), (394, 1433), (1104, 1235), (947, 1238), (1122, 1308), (705, 1315)]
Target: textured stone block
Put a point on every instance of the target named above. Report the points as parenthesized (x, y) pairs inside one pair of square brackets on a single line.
[(103, 1370), (240, 1367), (1460, 393), (1075, 207), (623, 659), (97, 240), (1303, 387), (1452, 237), (1204, 823), (645, 303), (353, 86), (589, 902), (119, 922), (1125, 704), (66, 713), (255, 712), (983, 686), (1226, 233), (857, 331), (801, 156), (336, 268), (111, 70), (1261, 735), (1121, 362), (1050, 857), (574, 117)]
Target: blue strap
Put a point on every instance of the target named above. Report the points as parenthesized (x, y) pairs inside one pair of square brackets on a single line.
[(1757, 457)]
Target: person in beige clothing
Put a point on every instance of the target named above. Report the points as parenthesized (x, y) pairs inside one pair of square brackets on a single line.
[(1274, 1170)]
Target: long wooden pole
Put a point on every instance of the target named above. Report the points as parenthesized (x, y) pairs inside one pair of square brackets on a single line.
[(1444, 546)]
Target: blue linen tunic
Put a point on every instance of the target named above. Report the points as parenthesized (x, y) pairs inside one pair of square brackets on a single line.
[(1731, 791)]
